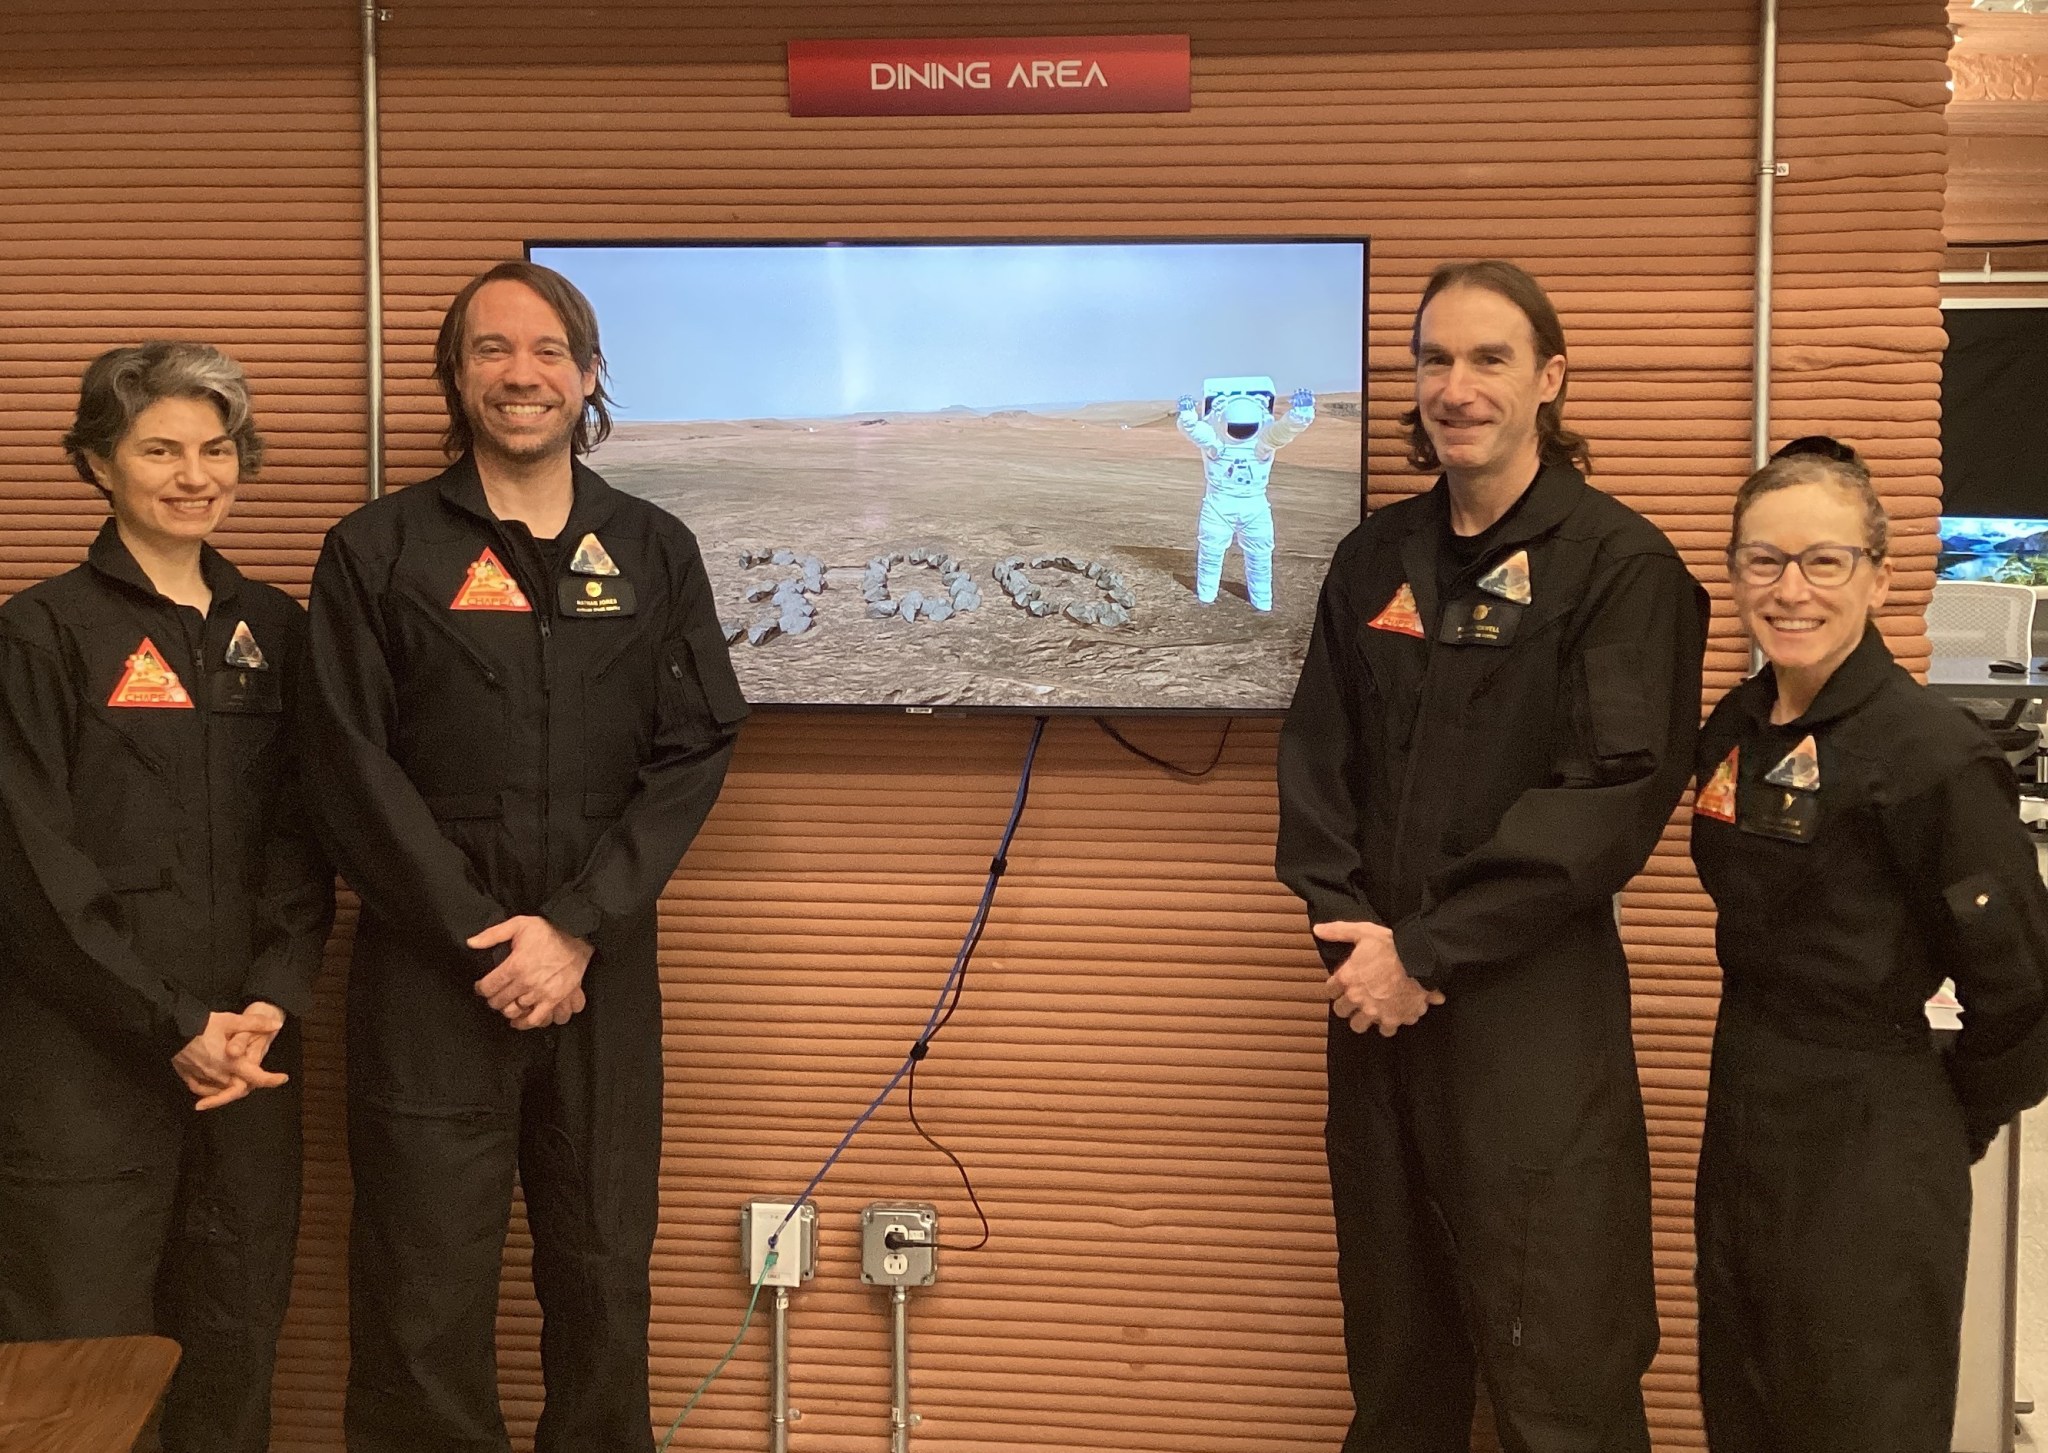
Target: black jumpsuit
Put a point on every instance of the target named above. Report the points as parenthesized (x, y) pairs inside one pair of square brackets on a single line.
[(503, 728), (1858, 855), (155, 866), (1483, 774)]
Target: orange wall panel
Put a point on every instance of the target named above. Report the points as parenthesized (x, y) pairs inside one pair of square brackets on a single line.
[(1134, 1076)]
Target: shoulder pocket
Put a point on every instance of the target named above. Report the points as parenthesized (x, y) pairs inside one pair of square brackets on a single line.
[(1618, 716), (1985, 921), (703, 667)]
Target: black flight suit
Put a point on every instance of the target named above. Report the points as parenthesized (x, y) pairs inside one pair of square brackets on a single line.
[(1834, 1192), (155, 866), (500, 728), (1483, 776)]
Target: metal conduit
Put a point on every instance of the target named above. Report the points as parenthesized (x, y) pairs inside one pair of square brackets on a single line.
[(900, 1418), (1768, 170), (779, 1413), (373, 259)]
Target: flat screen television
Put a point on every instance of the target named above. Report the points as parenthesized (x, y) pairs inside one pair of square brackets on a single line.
[(2000, 548), (1023, 475)]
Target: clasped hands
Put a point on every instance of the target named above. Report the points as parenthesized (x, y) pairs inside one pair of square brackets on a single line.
[(224, 1061), (1371, 989), (541, 979), (540, 982)]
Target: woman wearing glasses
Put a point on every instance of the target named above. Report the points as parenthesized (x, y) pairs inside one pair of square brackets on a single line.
[(1860, 837)]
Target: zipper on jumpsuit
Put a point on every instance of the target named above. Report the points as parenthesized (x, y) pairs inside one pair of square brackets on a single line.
[(1408, 770), (197, 692), (525, 558), (1400, 830), (547, 705), (547, 749), (437, 620)]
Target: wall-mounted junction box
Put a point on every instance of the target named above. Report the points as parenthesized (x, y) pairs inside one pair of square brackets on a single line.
[(796, 1242), (899, 1244)]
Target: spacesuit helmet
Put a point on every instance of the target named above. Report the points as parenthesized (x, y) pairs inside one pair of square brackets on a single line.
[(1247, 404)]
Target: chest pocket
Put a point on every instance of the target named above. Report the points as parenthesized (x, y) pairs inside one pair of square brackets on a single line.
[(124, 792), (1391, 664), (247, 706), (1784, 813), (1519, 678), (433, 645), (245, 691), (452, 719), (620, 695), (1776, 858)]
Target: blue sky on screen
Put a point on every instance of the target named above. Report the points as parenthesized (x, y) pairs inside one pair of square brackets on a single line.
[(792, 332)]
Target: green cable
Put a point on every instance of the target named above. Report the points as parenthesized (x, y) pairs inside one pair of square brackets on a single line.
[(767, 1265)]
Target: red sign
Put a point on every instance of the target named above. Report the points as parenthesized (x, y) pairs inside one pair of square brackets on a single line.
[(963, 77)]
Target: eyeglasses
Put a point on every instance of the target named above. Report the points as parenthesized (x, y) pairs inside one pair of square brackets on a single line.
[(1822, 565)]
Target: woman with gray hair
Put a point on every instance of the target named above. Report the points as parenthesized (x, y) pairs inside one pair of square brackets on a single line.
[(162, 911), (1861, 838)]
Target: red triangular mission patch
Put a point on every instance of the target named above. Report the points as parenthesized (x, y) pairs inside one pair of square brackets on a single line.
[(1717, 798), (148, 680), (1400, 615), (489, 586)]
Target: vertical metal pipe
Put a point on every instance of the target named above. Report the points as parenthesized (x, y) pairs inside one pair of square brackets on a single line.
[(2009, 1342), (373, 258), (899, 1371), (778, 1378), (1767, 173)]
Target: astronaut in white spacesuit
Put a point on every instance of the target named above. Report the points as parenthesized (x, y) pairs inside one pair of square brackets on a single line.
[(1237, 434)]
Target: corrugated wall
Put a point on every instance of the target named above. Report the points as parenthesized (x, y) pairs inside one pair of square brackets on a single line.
[(1134, 1074)]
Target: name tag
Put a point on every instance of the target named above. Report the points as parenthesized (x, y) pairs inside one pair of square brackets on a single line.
[(595, 596), (1480, 620), (1784, 813), (245, 691)]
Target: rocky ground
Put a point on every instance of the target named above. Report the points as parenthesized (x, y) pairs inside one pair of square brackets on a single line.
[(1039, 498)]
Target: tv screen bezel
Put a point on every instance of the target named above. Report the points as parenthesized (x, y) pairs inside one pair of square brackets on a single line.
[(1117, 239)]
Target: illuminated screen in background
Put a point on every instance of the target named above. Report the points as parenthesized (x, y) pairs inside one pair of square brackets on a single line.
[(958, 475), (2010, 551)]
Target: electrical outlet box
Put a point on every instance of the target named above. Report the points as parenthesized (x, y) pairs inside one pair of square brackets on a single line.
[(899, 1244), (795, 1237)]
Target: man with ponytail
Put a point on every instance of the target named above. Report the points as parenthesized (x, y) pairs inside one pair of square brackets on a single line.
[(1494, 723)]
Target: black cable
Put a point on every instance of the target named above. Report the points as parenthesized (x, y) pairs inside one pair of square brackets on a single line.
[(942, 1010), (998, 865), (910, 1103), (1188, 774)]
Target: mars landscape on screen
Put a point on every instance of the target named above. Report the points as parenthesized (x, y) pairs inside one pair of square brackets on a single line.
[(965, 475)]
